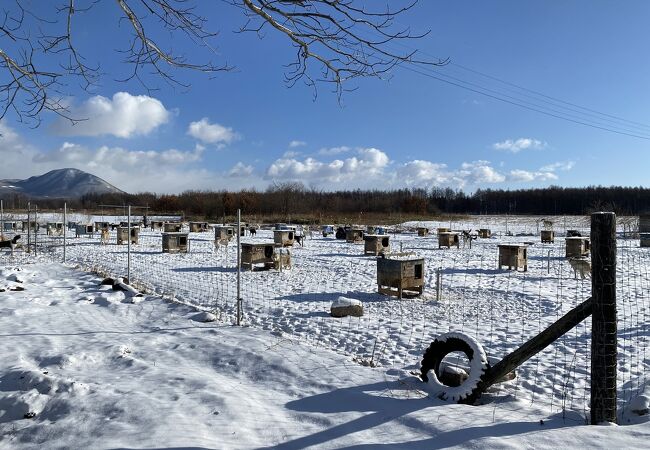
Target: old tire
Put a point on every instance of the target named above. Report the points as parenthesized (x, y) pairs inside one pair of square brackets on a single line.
[(441, 347)]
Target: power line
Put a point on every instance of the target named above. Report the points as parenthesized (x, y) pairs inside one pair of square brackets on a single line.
[(515, 103)]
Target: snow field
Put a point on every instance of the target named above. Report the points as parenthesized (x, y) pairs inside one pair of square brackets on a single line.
[(500, 308)]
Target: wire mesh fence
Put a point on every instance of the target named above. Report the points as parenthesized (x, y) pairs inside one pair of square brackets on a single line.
[(466, 290)]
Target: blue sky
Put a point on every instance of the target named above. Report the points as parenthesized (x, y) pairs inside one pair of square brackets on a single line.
[(245, 128)]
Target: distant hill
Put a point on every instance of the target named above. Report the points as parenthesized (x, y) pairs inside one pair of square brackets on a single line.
[(60, 183)]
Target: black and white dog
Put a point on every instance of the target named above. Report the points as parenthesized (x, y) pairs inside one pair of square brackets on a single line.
[(12, 244)]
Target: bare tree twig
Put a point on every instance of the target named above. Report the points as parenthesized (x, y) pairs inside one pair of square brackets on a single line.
[(335, 40)]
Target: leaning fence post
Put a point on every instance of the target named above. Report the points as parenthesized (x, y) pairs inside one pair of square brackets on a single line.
[(603, 329), (438, 283)]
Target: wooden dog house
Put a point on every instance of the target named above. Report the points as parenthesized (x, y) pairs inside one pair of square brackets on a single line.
[(84, 230), (157, 225), (484, 233), (175, 242), (265, 254), (513, 256), (577, 247), (198, 227), (33, 225), (423, 231), (284, 238), (443, 230), (400, 276), (375, 229), (123, 235), (223, 233), (644, 230), (375, 244), (354, 235), (99, 226), (645, 239), (548, 236), (172, 227), (54, 228), (9, 226), (448, 239)]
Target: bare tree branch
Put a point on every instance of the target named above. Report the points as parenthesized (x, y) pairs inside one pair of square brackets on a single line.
[(335, 40), (347, 41)]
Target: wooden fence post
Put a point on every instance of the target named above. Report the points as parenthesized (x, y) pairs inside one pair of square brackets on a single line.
[(603, 332)]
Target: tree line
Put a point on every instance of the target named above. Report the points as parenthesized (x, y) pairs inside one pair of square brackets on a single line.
[(286, 201)]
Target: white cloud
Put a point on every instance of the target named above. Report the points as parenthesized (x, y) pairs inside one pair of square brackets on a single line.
[(418, 172), (291, 154), (294, 144), (164, 171), (334, 150), (367, 164), (175, 170), (519, 175), (117, 157), (170, 170), (124, 115), (241, 170), (515, 146), (211, 133), (564, 166), (478, 172)]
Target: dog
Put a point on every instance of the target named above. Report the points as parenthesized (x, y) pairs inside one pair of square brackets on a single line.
[(252, 231), (468, 237), (580, 265), (221, 243), (10, 244), (104, 237), (299, 239)]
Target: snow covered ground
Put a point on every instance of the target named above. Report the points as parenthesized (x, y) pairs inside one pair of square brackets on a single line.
[(500, 308), (98, 370)]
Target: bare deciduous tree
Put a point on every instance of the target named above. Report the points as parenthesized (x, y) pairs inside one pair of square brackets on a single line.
[(335, 41)]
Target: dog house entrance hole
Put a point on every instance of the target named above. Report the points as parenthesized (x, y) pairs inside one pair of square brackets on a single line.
[(268, 251), (418, 272)]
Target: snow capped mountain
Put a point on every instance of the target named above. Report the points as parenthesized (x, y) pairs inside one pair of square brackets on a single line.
[(60, 183)]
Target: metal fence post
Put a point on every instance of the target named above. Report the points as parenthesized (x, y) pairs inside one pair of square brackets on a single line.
[(65, 226), (128, 248), (239, 299), (29, 223), (603, 329), (35, 230)]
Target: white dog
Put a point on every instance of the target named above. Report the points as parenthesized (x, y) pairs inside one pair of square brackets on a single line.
[(221, 243), (583, 266), (104, 237)]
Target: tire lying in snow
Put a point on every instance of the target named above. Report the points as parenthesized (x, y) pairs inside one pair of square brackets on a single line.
[(441, 347)]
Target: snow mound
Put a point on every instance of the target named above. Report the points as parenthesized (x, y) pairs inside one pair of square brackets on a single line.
[(344, 306), (342, 302), (204, 317)]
